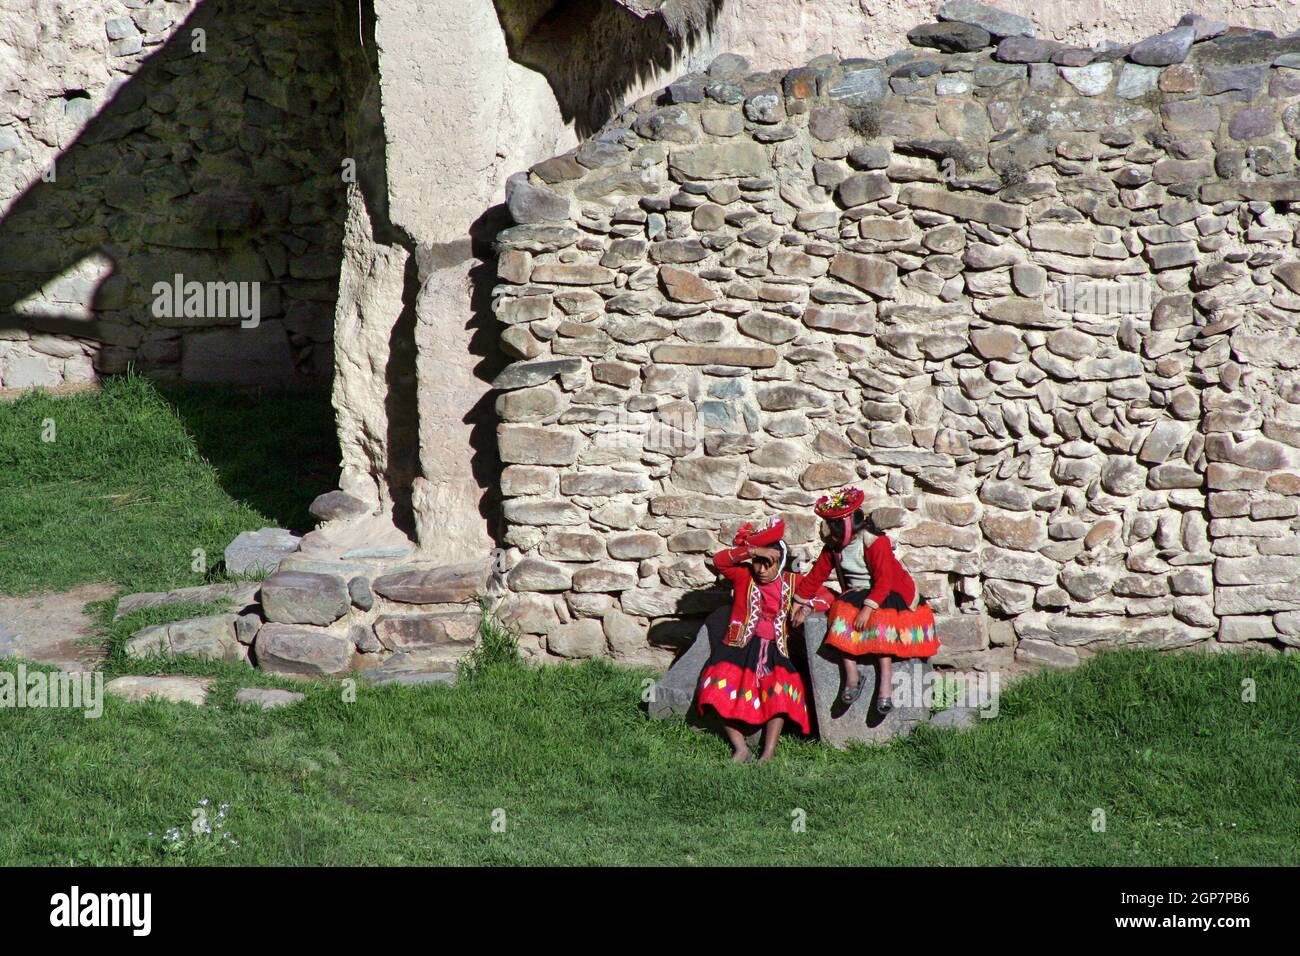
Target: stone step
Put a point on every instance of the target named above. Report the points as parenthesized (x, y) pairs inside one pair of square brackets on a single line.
[(211, 638), (241, 594), (449, 635), (297, 651), (364, 537), (304, 597), (450, 584), (260, 552)]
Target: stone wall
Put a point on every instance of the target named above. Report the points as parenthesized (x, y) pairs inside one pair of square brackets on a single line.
[(500, 85), (1040, 302), (140, 139)]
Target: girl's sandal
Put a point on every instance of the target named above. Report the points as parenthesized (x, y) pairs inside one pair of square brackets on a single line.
[(885, 704)]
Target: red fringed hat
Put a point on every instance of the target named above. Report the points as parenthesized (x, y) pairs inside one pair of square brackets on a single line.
[(839, 503), (761, 536)]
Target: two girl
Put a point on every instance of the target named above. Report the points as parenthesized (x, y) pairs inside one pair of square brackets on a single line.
[(750, 679)]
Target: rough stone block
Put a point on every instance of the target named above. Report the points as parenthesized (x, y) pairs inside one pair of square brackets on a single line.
[(302, 651), (304, 597)]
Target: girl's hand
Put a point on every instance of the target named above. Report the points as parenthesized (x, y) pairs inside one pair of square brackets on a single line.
[(860, 622), (767, 554), (799, 614)]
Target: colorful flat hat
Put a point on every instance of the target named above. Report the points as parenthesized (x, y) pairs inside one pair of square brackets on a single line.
[(761, 536), (839, 503)]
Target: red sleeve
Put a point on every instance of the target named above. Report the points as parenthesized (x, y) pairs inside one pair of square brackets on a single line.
[(887, 574), (730, 563), (815, 578), (821, 600)]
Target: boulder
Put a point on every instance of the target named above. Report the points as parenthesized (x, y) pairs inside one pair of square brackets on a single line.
[(337, 504), (528, 203), (859, 722)]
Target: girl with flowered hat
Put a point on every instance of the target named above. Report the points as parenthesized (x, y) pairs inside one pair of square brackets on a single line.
[(749, 679), (879, 610)]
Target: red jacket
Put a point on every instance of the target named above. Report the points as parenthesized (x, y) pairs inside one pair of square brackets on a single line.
[(886, 573), (746, 600)]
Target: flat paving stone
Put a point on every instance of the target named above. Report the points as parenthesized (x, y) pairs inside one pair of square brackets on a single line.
[(409, 669), (240, 594), (53, 628), (169, 687), (261, 551)]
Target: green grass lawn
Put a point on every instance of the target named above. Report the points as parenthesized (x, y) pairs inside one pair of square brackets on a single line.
[(134, 479), (1185, 772), (562, 759)]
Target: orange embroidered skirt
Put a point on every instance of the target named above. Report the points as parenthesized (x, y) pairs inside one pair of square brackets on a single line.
[(892, 629)]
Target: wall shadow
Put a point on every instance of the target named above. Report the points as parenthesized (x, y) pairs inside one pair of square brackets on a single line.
[(273, 449), (593, 51), (490, 359), (218, 163)]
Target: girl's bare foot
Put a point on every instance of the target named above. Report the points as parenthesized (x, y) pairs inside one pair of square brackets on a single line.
[(739, 749), (771, 736)]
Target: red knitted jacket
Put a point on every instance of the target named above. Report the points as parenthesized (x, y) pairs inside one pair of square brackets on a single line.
[(887, 574), (731, 564)]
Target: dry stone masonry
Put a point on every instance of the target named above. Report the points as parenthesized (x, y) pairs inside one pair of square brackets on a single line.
[(340, 600), (1039, 301)]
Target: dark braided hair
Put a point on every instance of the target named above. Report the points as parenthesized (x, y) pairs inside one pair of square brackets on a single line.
[(859, 519)]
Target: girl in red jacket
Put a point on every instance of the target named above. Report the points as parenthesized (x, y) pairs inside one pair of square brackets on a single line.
[(879, 610), (749, 678)]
